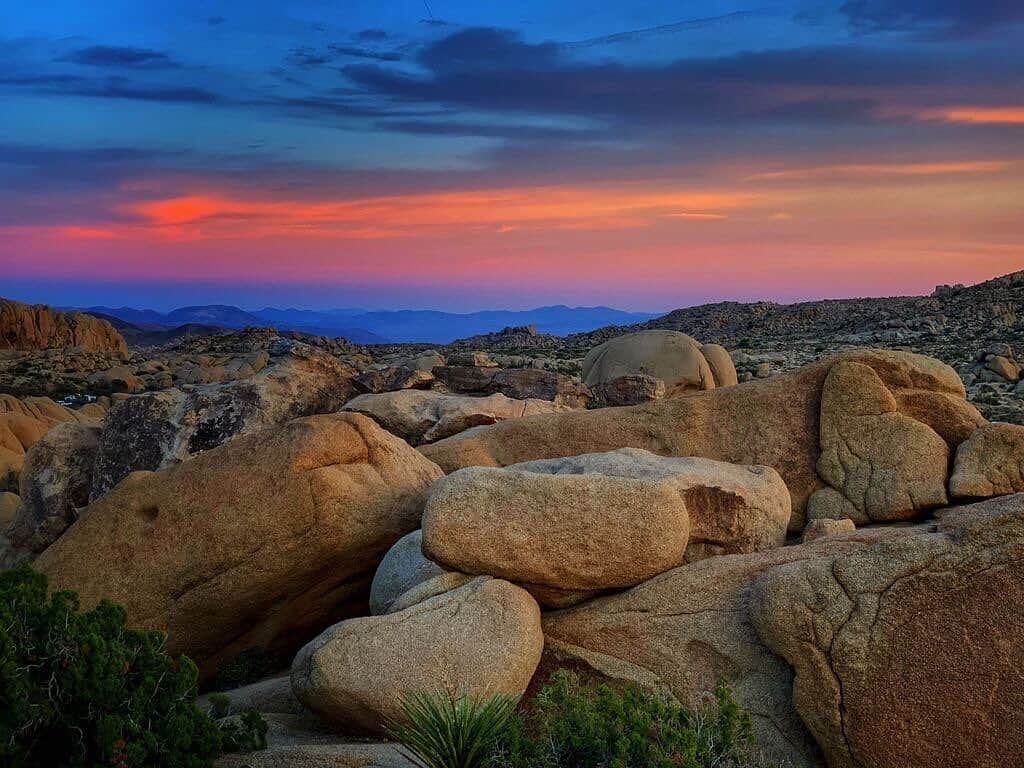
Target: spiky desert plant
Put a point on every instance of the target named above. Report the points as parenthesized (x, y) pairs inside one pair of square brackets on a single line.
[(445, 731)]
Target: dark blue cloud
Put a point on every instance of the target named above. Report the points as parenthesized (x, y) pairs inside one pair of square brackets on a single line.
[(967, 18), (120, 57)]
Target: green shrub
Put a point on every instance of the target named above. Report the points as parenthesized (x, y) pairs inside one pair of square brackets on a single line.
[(446, 732), (247, 734), (573, 725), (249, 666), (79, 690)]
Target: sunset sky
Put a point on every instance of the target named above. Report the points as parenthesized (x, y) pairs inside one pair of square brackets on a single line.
[(468, 155)]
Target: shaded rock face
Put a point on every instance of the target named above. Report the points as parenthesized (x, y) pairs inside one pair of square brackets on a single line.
[(160, 429), (731, 508), (54, 484), (908, 652), (403, 567), (37, 326), (423, 417), (671, 356), (482, 639), (630, 389), (691, 626), (557, 532), (774, 422), (989, 463), (256, 543), (392, 379)]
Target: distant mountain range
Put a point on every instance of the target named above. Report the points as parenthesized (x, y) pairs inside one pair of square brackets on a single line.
[(359, 325)]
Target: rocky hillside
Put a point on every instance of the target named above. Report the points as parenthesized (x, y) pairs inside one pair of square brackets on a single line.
[(37, 326)]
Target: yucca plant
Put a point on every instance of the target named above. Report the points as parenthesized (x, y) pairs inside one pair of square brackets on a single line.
[(445, 731)]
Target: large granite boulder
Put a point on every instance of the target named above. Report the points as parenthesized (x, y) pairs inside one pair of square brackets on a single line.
[(574, 533), (483, 638), (691, 627), (909, 652), (673, 357), (160, 429), (882, 465), (37, 326), (989, 463), (774, 422), (55, 482), (731, 508), (257, 543), (423, 417)]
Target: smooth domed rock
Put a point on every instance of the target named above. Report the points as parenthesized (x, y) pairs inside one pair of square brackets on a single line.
[(909, 652), (402, 568), (55, 483), (690, 627), (568, 532), (671, 356), (731, 508), (419, 416), (257, 543), (887, 465), (773, 422), (989, 463), (721, 364), (481, 639)]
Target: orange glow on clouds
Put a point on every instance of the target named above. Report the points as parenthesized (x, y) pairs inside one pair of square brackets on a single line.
[(976, 115)]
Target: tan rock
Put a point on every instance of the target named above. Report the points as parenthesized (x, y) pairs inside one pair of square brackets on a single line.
[(990, 463), (887, 465), (690, 627), (37, 326), (631, 389), (284, 528), (951, 416), (481, 639), (671, 356), (731, 508), (909, 652), (418, 416), (721, 364), (569, 532), (820, 529), (773, 422), (446, 581)]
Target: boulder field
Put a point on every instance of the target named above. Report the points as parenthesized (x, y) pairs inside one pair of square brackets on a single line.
[(792, 536), (785, 422)]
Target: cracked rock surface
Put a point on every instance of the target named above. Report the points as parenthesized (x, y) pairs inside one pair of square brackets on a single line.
[(908, 652)]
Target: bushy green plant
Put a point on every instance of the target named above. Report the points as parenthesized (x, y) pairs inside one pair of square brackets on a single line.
[(247, 734), (442, 731), (577, 725), (249, 666), (81, 690)]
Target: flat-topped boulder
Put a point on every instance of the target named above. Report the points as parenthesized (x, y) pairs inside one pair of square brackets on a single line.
[(561, 532), (257, 543), (483, 638), (731, 508), (423, 417)]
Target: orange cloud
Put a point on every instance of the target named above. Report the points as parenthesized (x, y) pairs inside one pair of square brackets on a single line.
[(883, 169), (976, 115), (202, 216)]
